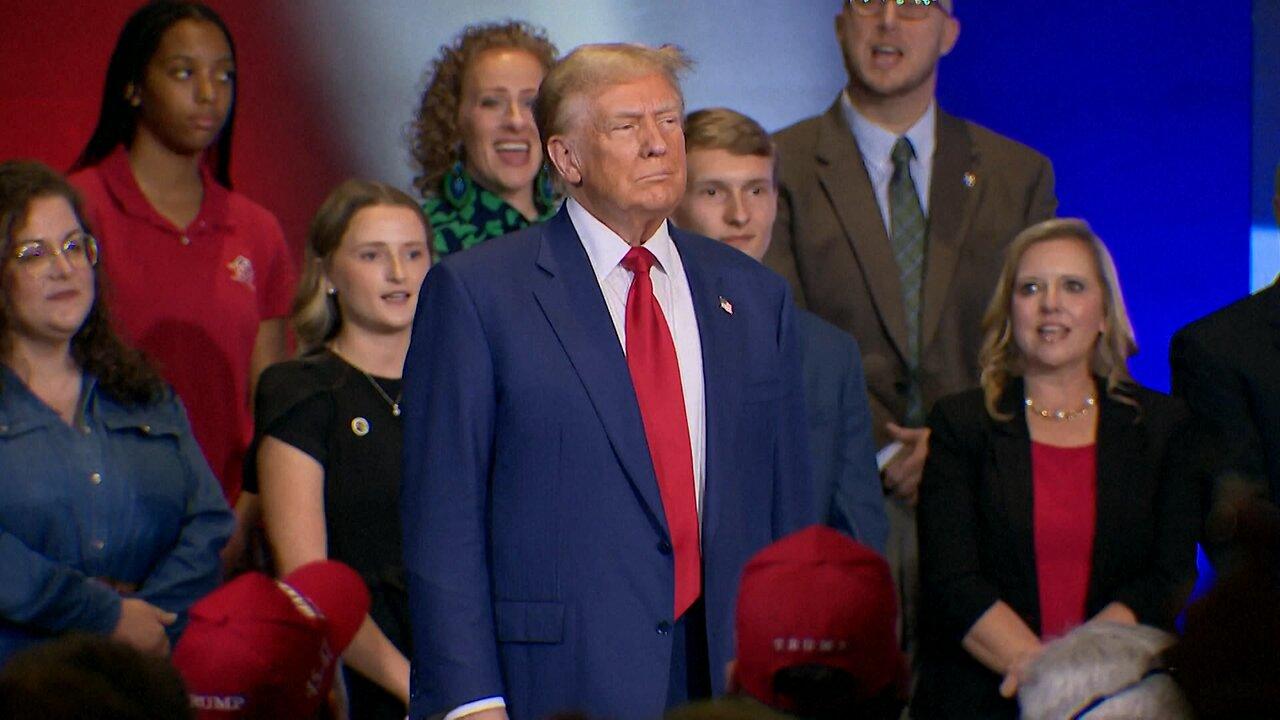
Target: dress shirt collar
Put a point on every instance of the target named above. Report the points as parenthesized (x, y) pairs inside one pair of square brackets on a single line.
[(605, 248), (876, 143)]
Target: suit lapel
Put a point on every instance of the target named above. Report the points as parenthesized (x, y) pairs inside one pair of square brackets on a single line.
[(571, 300), (848, 187), (1012, 450), (721, 391), (1121, 447), (953, 195)]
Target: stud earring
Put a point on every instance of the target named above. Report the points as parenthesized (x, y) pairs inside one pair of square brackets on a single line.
[(332, 291)]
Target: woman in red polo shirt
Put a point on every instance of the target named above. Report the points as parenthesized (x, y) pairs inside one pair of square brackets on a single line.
[(201, 277)]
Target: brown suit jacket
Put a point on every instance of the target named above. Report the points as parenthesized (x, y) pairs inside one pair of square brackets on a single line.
[(829, 242)]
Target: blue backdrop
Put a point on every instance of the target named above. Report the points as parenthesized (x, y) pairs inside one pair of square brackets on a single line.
[(1145, 110)]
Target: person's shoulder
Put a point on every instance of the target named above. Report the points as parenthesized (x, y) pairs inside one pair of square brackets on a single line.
[(249, 214), (1157, 408), (800, 133), (711, 255), (818, 333), (1225, 327), (300, 376), (497, 257), (989, 142)]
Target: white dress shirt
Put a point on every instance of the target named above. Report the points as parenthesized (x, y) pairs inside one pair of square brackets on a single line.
[(876, 145), (605, 250)]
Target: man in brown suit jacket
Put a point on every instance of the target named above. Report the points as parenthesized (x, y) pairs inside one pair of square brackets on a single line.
[(833, 235)]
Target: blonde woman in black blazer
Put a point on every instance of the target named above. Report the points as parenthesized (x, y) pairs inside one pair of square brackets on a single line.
[(1057, 413)]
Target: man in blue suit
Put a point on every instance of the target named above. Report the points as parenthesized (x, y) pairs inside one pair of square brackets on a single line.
[(604, 420), (732, 196)]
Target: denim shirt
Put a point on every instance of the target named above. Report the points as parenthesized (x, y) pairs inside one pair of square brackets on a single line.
[(123, 495)]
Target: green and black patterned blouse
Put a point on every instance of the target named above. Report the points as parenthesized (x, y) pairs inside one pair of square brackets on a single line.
[(463, 214)]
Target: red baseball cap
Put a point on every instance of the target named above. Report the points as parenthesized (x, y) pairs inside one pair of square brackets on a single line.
[(263, 648), (817, 597)]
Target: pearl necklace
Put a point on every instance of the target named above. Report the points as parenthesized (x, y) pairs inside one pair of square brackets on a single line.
[(1062, 415)]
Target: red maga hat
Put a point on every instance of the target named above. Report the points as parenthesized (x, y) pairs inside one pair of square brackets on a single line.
[(263, 648), (816, 597)]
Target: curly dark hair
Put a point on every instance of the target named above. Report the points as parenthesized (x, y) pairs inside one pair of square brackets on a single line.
[(435, 138), (139, 39), (122, 371)]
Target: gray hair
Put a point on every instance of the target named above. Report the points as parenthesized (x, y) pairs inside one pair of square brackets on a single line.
[(1103, 670), (590, 68)]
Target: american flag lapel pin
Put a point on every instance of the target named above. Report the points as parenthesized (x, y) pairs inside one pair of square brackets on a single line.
[(725, 305)]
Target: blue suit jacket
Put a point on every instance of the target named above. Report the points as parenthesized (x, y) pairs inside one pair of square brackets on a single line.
[(537, 554), (846, 482)]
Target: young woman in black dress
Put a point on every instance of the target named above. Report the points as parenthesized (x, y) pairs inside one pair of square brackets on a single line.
[(328, 423)]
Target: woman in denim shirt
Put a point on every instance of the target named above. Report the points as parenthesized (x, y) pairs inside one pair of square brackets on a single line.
[(110, 520)]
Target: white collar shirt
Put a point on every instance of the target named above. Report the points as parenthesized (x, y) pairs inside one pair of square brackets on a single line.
[(876, 145), (606, 249)]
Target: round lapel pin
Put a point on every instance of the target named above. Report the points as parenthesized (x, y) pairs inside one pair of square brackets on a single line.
[(359, 426)]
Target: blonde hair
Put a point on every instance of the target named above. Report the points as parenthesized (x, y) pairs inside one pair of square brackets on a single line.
[(316, 318), (590, 68), (1000, 358), (729, 130)]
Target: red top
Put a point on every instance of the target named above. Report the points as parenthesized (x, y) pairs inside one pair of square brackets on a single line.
[(192, 298), (1064, 487)]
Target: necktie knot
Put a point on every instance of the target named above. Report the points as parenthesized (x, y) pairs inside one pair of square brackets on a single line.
[(638, 260), (903, 152)]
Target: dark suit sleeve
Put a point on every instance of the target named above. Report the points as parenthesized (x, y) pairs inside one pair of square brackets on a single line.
[(1157, 594), (858, 503), (1216, 393), (793, 494), (448, 434), (781, 255), (1044, 201), (951, 580)]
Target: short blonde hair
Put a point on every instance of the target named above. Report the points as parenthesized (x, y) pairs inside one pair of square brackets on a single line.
[(590, 68), (1000, 358), (729, 130), (315, 317)]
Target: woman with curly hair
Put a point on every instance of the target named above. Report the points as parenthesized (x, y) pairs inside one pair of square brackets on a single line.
[(110, 520), (475, 140)]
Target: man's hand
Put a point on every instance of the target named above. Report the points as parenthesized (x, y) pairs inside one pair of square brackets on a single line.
[(902, 474), (142, 625)]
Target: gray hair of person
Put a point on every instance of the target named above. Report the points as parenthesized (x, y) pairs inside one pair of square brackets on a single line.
[(1000, 359), (1103, 670), (589, 69)]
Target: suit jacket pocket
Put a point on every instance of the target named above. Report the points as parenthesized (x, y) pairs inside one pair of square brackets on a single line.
[(529, 622)]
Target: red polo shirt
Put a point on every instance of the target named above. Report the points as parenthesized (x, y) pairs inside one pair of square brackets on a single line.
[(192, 298)]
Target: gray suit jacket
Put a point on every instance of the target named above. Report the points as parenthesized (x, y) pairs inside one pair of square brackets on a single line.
[(830, 243)]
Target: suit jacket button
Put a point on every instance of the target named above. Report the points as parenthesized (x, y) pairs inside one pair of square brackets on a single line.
[(664, 547), (664, 628)]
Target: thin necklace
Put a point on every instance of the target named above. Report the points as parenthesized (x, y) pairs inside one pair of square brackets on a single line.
[(394, 403), (1061, 415)]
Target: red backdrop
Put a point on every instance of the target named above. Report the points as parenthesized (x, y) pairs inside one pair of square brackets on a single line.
[(54, 58)]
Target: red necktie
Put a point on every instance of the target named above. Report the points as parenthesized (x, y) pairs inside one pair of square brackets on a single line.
[(655, 372)]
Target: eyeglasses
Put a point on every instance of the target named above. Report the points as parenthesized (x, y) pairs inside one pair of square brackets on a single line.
[(80, 250), (905, 9)]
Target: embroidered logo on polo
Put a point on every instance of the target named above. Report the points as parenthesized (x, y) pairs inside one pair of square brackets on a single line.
[(242, 271)]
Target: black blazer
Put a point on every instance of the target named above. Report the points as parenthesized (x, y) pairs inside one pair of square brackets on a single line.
[(977, 541), (1227, 367)]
